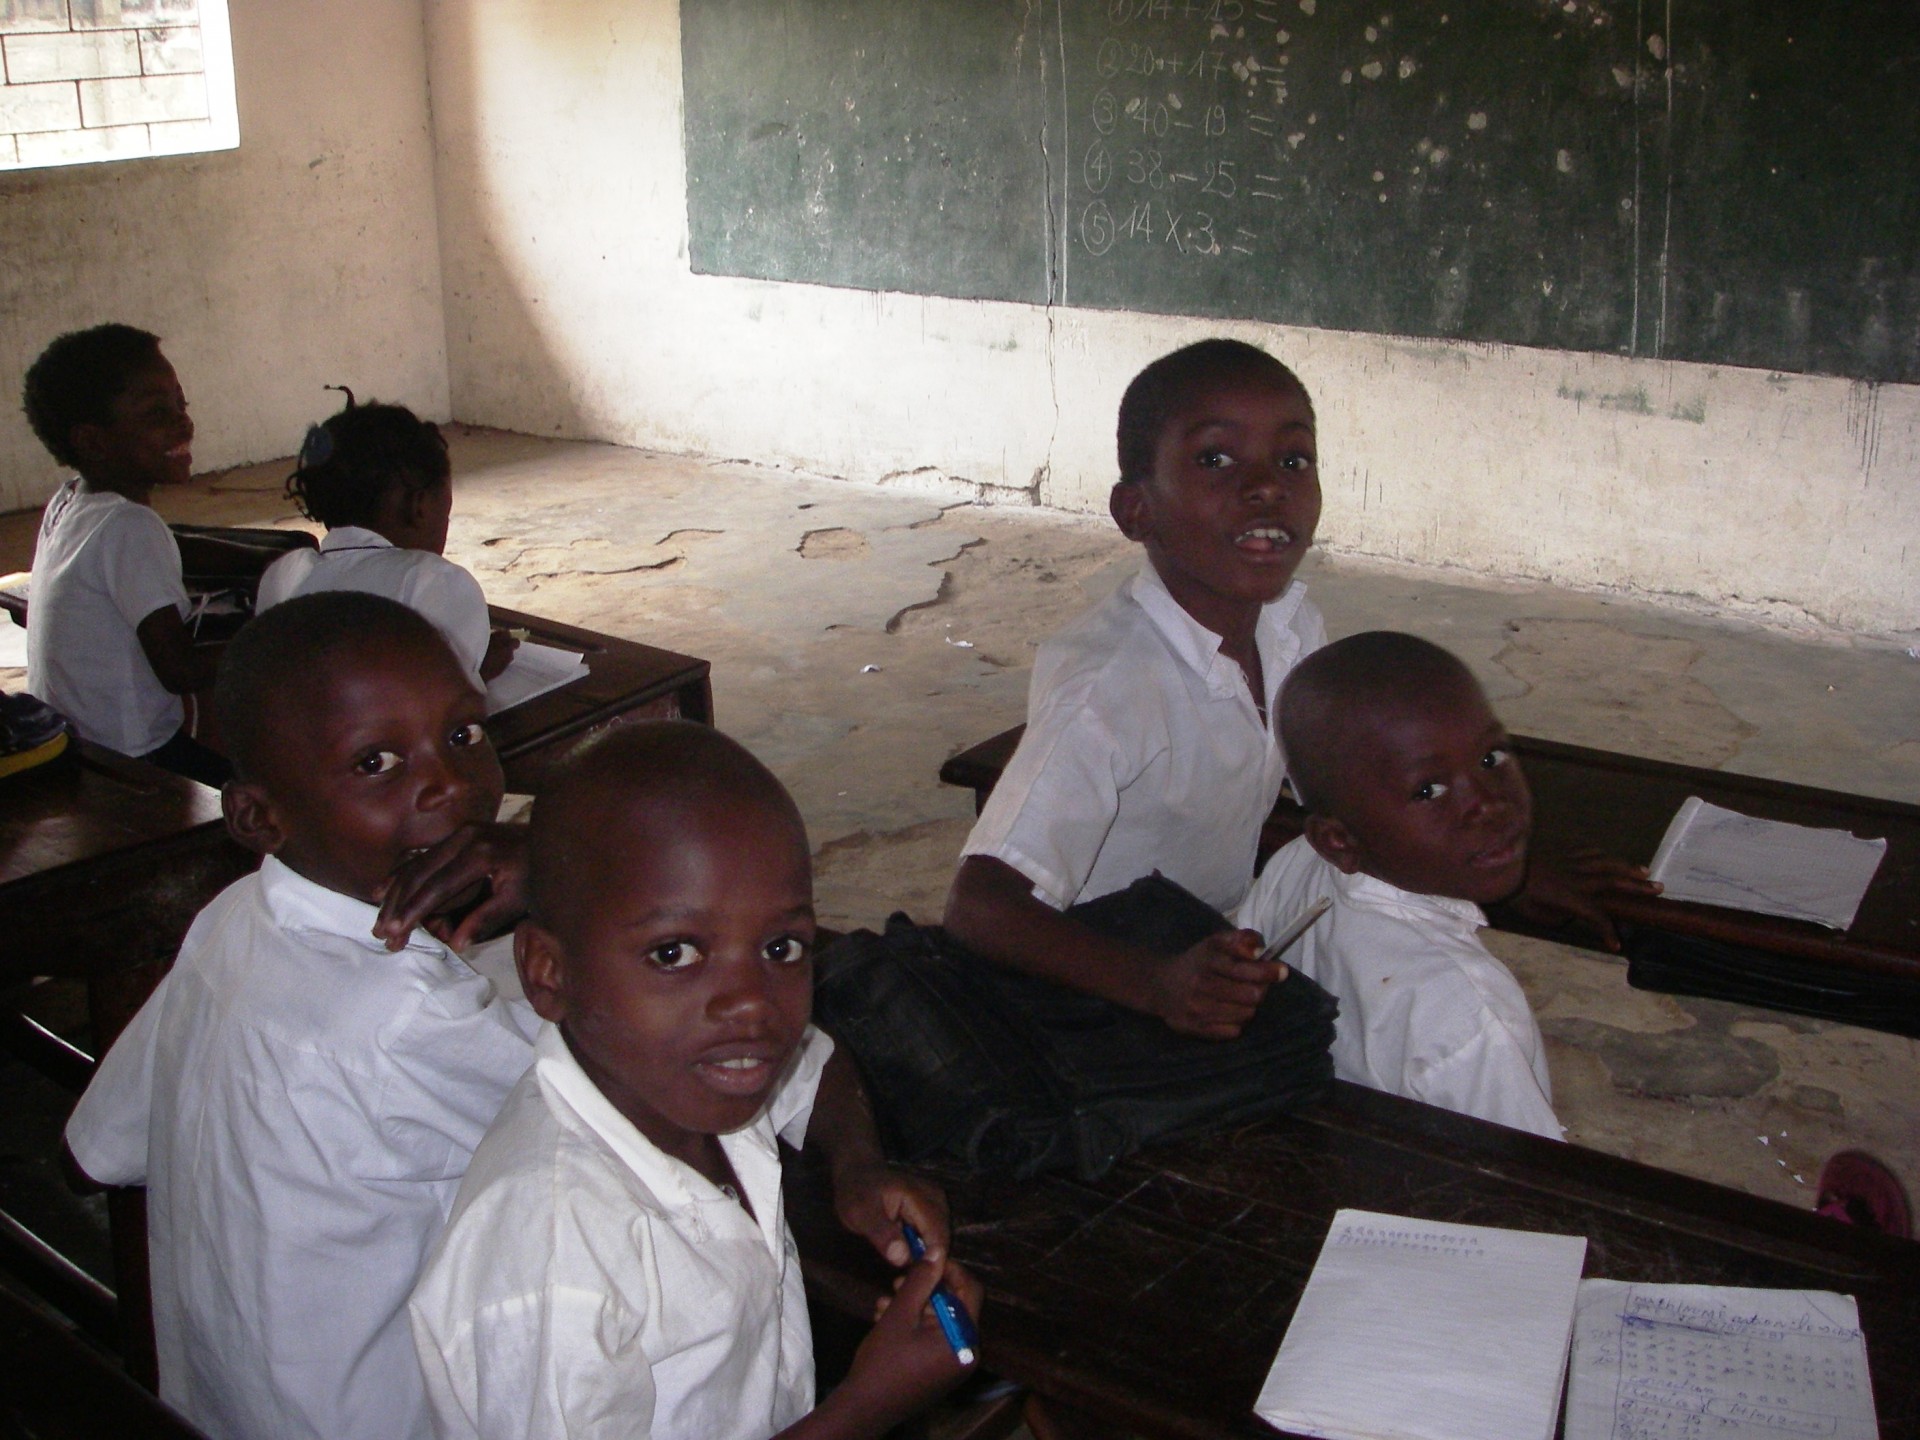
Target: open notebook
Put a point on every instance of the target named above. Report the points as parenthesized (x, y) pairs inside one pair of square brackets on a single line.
[(1721, 857), (534, 670), (1717, 1361)]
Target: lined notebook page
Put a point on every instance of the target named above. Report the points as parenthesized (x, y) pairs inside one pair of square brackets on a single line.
[(1721, 857), (1676, 1362), (534, 670), (1413, 1330)]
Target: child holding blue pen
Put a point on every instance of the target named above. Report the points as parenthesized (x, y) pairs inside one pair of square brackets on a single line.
[(617, 1261)]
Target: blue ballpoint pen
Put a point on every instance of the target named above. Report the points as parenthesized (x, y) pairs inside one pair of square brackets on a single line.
[(955, 1323)]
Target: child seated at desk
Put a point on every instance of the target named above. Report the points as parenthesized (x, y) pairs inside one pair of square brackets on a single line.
[(379, 479), (1148, 746), (300, 1101), (618, 1261), (107, 639), (1417, 814)]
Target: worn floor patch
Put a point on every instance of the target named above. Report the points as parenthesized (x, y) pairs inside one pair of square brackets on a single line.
[(862, 878), (1631, 692)]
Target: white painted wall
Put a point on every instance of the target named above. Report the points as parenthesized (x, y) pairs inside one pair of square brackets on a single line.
[(308, 255), (571, 310)]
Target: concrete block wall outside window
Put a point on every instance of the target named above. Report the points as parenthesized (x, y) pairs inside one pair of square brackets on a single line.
[(86, 80)]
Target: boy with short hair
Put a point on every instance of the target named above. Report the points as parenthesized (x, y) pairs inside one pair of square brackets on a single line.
[(617, 1262), (1417, 814), (300, 1101), (1148, 747), (107, 641)]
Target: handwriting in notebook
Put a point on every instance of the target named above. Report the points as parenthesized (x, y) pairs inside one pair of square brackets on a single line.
[(1687, 1362)]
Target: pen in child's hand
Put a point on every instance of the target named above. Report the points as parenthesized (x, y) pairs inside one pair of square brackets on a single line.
[(955, 1323), (1294, 931)]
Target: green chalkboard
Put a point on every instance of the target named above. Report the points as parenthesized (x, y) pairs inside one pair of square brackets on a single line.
[(1725, 182)]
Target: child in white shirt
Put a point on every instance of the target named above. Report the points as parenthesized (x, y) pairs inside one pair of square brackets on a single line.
[(379, 479), (1417, 814), (1148, 745), (300, 1101), (107, 641), (618, 1262)]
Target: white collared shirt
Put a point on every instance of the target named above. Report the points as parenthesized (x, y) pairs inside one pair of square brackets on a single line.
[(1144, 751), (352, 558), (103, 563), (301, 1104), (1425, 1011), (591, 1286)]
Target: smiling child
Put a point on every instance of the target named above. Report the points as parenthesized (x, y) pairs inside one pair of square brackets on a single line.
[(1149, 746), (1417, 814), (107, 641), (618, 1260), (300, 1101)]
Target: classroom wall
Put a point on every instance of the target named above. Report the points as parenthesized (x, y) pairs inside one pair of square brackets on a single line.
[(308, 255), (571, 310)]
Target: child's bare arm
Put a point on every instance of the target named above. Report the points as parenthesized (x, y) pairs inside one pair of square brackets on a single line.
[(1211, 990), (870, 1197), (903, 1365), (168, 645)]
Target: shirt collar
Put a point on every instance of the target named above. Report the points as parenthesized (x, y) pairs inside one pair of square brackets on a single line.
[(1199, 648), (676, 1184), (1378, 894), (296, 902), (353, 537)]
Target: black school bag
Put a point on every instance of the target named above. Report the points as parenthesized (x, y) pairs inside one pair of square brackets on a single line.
[(1013, 1074)]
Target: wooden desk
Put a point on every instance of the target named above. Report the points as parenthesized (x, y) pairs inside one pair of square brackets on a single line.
[(625, 681), (1623, 804), (104, 863), (1156, 1298)]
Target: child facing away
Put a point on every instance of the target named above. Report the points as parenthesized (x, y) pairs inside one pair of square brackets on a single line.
[(301, 1101), (618, 1260), (107, 640), (379, 479), (1148, 744), (1417, 814)]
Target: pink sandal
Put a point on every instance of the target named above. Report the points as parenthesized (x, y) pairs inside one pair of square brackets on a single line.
[(1857, 1189)]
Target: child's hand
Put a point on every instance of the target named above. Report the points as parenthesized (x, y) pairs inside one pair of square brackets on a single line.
[(455, 870), (1558, 894), (1213, 989), (872, 1199), (906, 1362), (500, 647)]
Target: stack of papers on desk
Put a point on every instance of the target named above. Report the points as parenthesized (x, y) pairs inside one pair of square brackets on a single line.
[(1413, 1330), (1721, 857), (1718, 1361), (534, 670)]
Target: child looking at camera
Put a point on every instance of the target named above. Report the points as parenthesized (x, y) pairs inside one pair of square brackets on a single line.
[(618, 1260), (300, 1100), (107, 640), (1149, 745), (379, 479), (1417, 815)]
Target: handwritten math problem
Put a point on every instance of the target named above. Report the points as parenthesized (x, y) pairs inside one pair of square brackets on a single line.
[(1687, 1362), (1164, 167)]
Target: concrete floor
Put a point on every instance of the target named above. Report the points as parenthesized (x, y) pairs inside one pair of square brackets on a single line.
[(860, 636)]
